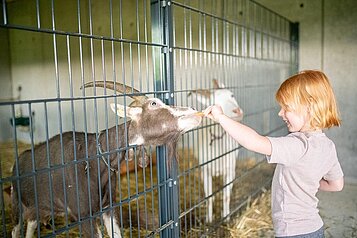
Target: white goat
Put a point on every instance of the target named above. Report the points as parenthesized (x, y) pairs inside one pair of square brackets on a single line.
[(209, 143)]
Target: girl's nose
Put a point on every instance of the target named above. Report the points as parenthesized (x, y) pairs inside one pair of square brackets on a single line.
[(281, 112)]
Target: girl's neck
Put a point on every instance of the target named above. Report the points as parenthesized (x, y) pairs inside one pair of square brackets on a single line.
[(309, 130)]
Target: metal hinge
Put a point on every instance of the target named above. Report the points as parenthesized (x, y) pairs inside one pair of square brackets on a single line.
[(166, 49), (165, 3), (172, 183)]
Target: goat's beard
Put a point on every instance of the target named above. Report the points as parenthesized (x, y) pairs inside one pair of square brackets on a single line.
[(171, 152)]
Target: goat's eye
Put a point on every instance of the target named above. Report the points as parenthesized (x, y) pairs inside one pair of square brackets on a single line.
[(153, 103), (232, 96)]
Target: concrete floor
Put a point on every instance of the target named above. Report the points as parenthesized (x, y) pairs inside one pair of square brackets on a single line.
[(339, 212)]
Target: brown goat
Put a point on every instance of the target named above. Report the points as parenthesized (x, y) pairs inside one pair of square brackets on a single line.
[(74, 174)]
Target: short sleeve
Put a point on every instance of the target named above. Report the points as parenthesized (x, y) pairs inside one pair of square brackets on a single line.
[(334, 173), (288, 149)]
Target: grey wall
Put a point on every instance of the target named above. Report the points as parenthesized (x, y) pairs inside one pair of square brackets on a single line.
[(328, 41)]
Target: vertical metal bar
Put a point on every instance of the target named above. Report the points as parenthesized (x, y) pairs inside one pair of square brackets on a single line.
[(152, 184), (123, 79), (116, 117), (171, 87), (38, 18), (146, 78), (294, 47), (160, 156), (140, 89), (163, 33), (2, 203), (17, 173), (73, 124), (57, 78), (84, 104), (50, 180), (95, 109), (34, 169), (4, 12), (138, 45), (107, 143)]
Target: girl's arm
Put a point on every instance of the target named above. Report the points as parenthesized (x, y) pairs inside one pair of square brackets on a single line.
[(331, 186), (244, 135)]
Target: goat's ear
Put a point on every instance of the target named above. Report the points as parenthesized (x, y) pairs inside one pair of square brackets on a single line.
[(217, 85), (121, 111), (118, 109), (134, 112)]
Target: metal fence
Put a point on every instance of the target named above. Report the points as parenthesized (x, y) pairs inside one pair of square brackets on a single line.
[(173, 50)]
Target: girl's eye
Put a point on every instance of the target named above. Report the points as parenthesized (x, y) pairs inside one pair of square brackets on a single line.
[(153, 103)]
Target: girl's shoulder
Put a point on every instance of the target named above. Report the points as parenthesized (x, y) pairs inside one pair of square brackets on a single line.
[(314, 138)]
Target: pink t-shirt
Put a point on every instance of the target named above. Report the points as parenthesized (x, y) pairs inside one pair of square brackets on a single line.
[(302, 159)]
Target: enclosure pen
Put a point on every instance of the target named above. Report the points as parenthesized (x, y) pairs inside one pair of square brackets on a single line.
[(154, 167)]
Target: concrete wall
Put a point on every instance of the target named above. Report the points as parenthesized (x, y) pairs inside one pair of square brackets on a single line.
[(328, 41)]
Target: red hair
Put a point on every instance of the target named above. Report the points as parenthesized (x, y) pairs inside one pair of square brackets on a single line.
[(311, 89)]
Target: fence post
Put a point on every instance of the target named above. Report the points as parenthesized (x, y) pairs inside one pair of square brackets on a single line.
[(162, 32)]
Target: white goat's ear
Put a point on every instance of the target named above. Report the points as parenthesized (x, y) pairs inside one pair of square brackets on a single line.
[(217, 85)]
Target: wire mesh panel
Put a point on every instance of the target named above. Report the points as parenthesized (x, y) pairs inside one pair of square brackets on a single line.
[(74, 75), (70, 177), (232, 53)]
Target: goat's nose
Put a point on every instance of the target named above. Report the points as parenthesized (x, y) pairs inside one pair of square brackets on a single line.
[(238, 111)]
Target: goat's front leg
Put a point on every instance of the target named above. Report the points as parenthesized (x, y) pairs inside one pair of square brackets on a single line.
[(207, 184), (16, 231), (111, 225), (228, 190), (31, 226), (139, 153)]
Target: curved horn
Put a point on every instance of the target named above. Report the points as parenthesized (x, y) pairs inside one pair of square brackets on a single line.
[(202, 92), (119, 87)]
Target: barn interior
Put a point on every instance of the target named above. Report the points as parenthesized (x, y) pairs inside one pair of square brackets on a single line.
[(173, 50)]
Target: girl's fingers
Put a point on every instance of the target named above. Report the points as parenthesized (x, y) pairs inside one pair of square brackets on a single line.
[(207, 111)]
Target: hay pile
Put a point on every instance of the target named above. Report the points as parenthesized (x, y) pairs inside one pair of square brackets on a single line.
[(250, 205), (256, 221)]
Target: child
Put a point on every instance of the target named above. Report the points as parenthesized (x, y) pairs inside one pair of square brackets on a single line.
[(306, 158)]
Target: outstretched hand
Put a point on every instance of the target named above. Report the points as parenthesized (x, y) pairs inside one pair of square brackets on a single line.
[(213, 112)]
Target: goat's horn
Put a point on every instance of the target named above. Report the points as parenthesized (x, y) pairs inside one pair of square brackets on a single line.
[(203, 92), (119, 87)]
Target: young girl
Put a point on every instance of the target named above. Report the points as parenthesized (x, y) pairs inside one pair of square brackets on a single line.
[(306, 158)]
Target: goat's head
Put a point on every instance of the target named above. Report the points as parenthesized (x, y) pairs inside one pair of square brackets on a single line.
[(152, 121), (221, 96)]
